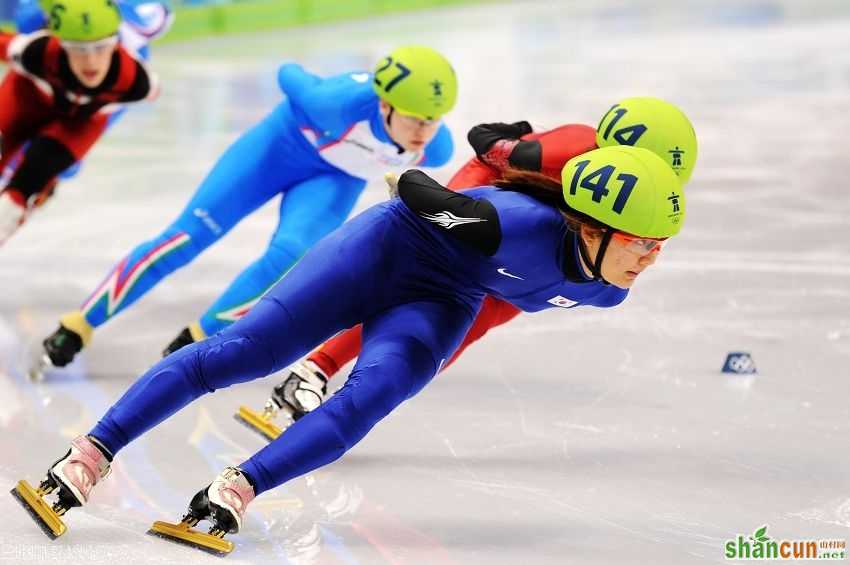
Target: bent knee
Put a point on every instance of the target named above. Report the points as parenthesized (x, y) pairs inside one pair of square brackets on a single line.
[(377, 386), (280, 256), (227, 359)]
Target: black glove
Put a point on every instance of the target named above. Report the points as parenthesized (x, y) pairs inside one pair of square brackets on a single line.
[(483, 136)]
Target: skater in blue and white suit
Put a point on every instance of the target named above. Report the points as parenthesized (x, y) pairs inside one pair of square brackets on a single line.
[(318, 148)]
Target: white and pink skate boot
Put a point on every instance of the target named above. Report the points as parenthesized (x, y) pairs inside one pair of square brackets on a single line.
[(226, 499), (74, 475), (222, 503)]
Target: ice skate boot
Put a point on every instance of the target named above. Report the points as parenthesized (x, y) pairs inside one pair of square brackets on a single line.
[(13, 213), (62, 346), (187, 336), (222, 503), (74, 475), (302, 391)]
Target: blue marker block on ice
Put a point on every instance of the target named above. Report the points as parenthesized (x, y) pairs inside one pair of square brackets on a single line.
[(739, 363)]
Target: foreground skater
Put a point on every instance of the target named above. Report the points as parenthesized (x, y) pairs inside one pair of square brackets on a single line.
[(645, 122), (414, 271)]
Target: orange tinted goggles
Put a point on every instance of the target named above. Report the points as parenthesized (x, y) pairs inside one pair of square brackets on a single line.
[(638, 245)]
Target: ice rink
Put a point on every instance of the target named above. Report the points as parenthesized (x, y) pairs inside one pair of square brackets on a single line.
[(586, 437)]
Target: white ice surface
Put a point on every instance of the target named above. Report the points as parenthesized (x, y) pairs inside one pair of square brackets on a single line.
[(589, 437)]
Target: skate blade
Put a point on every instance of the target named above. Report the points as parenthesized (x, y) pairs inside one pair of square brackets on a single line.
[(41, 367), (182, 533), (39, 510), (256, 422)]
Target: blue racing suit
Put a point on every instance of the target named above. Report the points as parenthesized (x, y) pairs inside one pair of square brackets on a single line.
[(414, 271), (318, 147)]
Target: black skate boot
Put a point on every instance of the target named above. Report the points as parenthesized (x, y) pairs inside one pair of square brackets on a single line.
[(189, 335), (62, 346), (222, 503), (302, 391), (183, 339)]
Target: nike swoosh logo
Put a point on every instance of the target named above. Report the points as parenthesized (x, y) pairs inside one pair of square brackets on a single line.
[(504, 271)]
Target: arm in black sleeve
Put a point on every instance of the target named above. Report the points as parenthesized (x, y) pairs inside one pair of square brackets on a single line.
[(44, 159), (527, 155), (483, 136), (141, 86), (31, 57), (499, 146), (473, 222)]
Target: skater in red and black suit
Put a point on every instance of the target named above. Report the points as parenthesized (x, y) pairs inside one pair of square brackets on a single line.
[(56, 99)]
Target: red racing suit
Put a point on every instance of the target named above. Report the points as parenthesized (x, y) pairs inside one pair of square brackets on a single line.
[(42, 103)]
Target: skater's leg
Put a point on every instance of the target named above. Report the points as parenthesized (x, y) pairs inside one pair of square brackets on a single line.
[(306, 383), (332, 355), (74, 169), (264, 341), (57, 146), (494, 312), (54, 149), (309, 211), (245, 177), (28, 169), (315, 300), (403, 348), (305, 386), (41, 162)]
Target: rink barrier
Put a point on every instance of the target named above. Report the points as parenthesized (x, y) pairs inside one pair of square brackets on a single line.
[(240, 17), (203, 20)]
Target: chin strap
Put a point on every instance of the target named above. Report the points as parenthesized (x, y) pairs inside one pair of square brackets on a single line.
[(387, 122), (595, 266)]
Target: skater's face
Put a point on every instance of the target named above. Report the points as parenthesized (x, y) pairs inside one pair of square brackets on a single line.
[(412, 133), (625, 258), (90, 60)]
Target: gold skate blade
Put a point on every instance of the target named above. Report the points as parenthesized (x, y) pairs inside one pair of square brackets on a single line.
[(257, 423), (38, 509), (182, 533)]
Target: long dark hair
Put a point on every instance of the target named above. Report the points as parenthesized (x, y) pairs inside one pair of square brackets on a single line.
[(548, 191)]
